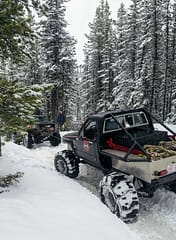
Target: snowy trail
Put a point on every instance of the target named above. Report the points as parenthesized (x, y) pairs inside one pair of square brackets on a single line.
[(157, 219)]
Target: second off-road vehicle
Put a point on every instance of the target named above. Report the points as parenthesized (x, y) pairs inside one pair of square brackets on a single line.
[(40, 132), (135, 157)]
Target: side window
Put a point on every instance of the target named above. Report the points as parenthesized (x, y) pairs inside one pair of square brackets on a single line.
[(129, 120), (89, 130), (110, 124), (137, 119), (140, 118)]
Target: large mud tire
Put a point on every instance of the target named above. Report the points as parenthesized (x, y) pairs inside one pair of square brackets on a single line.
[(67, 163), (55, 140), (120, 196)]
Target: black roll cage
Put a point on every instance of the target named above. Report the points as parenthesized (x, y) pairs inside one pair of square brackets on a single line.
[(135, 142)]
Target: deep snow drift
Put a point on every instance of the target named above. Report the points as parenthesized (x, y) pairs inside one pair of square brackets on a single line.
[(46, 205)]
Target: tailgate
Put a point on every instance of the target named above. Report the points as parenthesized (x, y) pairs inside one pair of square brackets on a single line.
[(141, 168)]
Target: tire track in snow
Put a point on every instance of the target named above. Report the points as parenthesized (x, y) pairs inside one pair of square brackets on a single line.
[(157, 219)]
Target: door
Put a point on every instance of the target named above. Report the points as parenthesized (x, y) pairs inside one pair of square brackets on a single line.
[(86, 143)]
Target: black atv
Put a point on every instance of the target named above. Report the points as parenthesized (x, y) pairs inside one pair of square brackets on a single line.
[(43, 131)]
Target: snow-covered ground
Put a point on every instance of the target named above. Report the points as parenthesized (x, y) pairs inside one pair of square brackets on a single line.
[(46, 204)]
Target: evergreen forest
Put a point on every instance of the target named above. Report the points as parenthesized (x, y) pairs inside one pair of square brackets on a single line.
[(129, 62)]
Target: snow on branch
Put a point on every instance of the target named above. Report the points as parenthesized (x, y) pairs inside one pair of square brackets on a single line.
[(10, 179)]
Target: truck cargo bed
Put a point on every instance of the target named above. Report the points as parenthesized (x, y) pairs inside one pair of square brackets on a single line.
[(121, 155)]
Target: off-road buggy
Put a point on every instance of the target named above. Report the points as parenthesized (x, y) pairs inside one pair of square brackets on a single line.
[(135, 158), (40, 132)]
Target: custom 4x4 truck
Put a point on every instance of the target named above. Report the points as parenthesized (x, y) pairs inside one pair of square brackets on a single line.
[(135, 157), (42, 131)]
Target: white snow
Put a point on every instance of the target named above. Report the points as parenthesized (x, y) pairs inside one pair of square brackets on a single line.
[(47, 205), (161, 128)]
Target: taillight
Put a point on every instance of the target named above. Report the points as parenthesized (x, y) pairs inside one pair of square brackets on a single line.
[(161, 173)]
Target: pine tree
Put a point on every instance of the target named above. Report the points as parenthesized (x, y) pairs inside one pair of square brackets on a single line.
[(17, 57), (87, 86), (150, 53), (140, 95), (108, 60), (99, 59), (16, 101), (15, 18), (155, 54), (132, 35), (172, 87), (58, 49), (123, 80), (17, 104), (168, 58)]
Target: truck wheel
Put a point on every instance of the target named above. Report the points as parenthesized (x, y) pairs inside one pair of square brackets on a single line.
[(171, 186), (119, 194), (67, 163), (55, 139)]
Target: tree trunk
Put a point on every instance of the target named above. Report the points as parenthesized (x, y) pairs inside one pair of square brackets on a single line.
[(0, 147), (153, 96), (165, 94), (173, 71)]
